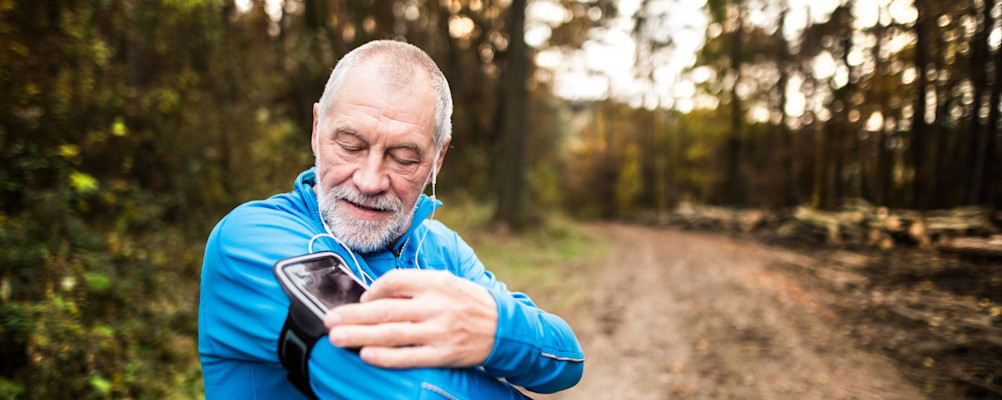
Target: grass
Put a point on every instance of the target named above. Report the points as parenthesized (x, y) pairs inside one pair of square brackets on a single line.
[(548, 262)]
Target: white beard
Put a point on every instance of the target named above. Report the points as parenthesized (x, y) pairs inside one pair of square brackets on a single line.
[(359, 235)]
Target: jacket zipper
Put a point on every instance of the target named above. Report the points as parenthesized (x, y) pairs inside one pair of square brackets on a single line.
[(399, 252)]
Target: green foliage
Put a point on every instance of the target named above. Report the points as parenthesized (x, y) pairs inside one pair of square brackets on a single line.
[(10, 389), (116, 153), (89, 304), (128, 128)]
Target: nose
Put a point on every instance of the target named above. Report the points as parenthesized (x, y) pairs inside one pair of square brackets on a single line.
[(371, 178)]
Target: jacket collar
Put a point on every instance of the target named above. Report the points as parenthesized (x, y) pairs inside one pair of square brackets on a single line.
[(304, 187)]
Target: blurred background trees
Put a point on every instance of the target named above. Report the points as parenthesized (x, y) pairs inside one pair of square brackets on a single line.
[(894, 102), (128, 127)]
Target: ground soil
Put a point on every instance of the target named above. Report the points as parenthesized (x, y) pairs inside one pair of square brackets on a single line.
[(674, 314)]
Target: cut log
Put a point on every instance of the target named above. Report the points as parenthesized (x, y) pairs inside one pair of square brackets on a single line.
[(856, 222), (972, 246), (919, 232)]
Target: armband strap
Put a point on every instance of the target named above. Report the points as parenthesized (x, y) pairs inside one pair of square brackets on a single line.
[(300, 333)]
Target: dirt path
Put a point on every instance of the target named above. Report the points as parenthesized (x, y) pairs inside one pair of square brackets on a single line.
[(686, 315)]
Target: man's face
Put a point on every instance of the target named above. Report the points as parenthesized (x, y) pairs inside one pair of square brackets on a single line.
[(374, 154)]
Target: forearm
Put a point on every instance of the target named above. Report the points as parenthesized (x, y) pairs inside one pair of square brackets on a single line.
[(533, 349)]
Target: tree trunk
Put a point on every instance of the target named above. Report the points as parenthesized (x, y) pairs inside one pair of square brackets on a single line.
[(650, 157), (992, 178), (513, 200), (880, 181), (979, 79), (735, 190), (820, 164), (848, 183), (981, 133), (938, 150), (608, 169), (919, 139), (784, 193)]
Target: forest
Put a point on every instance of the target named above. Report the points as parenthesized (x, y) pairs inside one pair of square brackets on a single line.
[(129, 127)]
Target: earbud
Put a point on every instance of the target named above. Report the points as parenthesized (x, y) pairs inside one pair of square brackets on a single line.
[(434, 175), (434, 171)]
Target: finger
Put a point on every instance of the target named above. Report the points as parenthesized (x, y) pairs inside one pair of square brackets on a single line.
[(405, 357), (405, 283), (376, 312), (382, 335)]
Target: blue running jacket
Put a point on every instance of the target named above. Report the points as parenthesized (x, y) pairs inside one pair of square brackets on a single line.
[(242, 310)]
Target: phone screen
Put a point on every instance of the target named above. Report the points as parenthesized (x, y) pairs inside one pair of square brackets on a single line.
[(321, 280)]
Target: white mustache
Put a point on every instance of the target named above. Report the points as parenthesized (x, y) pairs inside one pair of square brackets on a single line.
[(383, 202)]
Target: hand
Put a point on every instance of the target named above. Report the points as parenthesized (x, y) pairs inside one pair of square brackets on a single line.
[(413, 318)]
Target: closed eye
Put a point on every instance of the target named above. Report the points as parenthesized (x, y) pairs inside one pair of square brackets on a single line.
[(405, 155), (351, 149), (350, 142)]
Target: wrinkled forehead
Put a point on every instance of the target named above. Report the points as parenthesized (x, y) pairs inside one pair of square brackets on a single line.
[(371, 100)]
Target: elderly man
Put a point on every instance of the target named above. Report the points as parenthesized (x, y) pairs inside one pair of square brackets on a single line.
[(433, 323)]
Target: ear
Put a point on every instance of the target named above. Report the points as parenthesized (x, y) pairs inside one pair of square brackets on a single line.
[(440, 160), (315, 138)]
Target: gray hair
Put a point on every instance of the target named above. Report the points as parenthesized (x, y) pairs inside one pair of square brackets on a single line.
[(399, 67)]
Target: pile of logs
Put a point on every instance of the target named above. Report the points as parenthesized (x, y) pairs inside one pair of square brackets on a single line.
[(969, 230)]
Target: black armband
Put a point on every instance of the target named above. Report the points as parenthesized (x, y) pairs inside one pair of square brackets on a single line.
[(300, 333), (315, 283)]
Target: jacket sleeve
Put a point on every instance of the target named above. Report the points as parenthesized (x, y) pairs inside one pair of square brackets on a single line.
[(242, 312), (533, 348)]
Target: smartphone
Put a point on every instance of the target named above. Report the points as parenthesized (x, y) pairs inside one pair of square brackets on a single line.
[(320, 281)]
